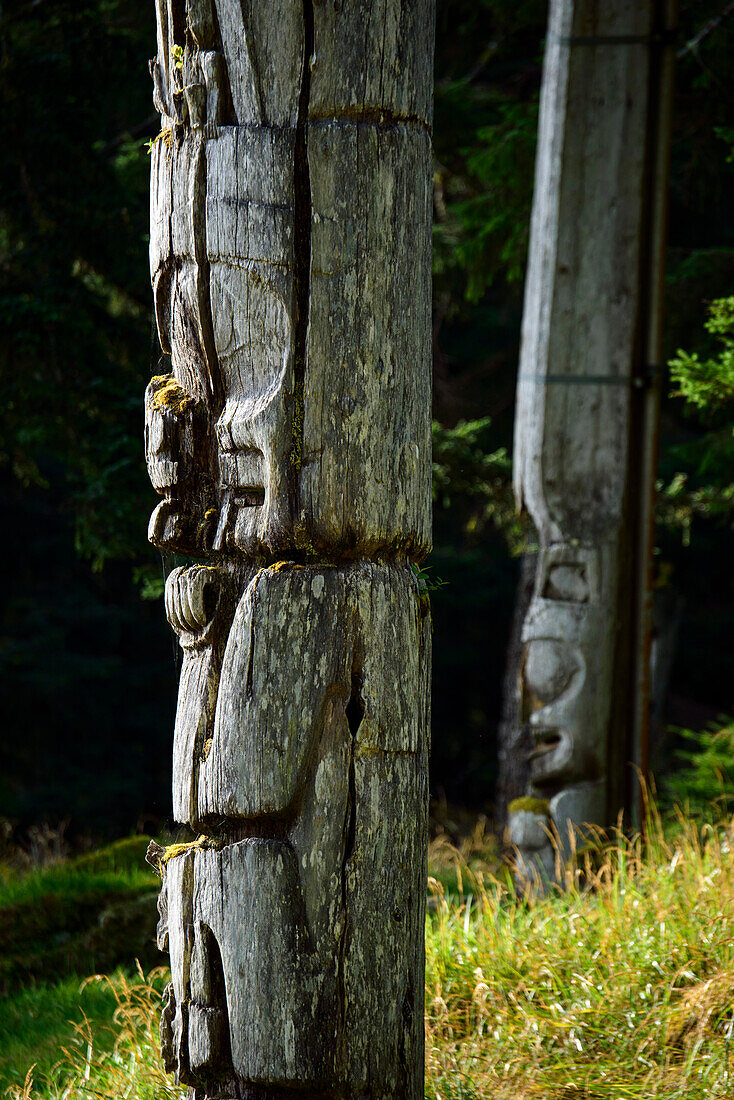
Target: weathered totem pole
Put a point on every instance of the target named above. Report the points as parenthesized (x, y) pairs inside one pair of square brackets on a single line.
[(585, 423), (290, 260)]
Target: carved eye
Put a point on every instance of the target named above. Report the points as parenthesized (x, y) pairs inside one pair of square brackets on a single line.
[(549, 666)]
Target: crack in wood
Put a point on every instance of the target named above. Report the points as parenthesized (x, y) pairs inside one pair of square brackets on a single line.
[(354, 712), (211, 358), (376, 117)]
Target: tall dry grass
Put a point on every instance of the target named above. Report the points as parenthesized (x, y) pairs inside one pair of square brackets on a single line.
[(618, 988), (128, 1067)]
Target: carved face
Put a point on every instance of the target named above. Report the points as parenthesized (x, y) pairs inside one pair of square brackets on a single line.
[(252, 333), (567, 660), (249, 241), (221, 255), (221, 263), (554, 675)]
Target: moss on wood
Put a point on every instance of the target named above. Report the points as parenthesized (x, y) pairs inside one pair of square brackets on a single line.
[(166, 393), (530, 806)]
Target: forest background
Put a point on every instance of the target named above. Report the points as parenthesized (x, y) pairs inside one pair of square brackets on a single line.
[(88, 668)]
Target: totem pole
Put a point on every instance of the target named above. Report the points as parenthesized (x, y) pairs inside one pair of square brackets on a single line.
[(290, 442), (586, 408)]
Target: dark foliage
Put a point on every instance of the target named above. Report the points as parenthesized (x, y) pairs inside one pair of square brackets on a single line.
[(87, 673)]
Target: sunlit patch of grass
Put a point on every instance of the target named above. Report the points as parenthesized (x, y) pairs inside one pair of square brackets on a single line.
[(36, 1021), (620, 987), (97, 911), (476, 850), (116, 1060)]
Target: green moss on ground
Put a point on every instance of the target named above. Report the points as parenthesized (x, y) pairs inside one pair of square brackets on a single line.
[(87, 914), (39, 1020)]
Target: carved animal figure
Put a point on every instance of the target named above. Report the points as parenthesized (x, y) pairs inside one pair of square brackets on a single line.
[(584, 466), (290, 442)]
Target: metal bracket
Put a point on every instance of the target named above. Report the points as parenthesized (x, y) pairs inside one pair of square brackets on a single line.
[(646, 378)]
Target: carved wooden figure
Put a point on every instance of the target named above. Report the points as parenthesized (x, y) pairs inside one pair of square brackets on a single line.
[(290, 442), (584, 366)]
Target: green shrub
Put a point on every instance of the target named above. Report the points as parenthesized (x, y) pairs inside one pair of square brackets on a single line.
[(704, 783), (708, 384)]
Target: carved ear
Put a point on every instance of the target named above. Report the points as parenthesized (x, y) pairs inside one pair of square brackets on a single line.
[(193, 596)]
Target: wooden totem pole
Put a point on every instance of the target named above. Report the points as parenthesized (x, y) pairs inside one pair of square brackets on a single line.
[(586, 412), (290, 260)]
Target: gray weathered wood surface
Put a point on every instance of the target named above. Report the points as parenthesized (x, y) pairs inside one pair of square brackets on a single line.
[(581, 369), (290, 258), (320, 767), (290, 442)]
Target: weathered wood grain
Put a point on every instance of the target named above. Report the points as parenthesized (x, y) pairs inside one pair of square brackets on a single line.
[(289, 255), (583, 278), (369, 317), (319, 760), (263, 45), (581, 368), (199, 606), (369, 60), (290, 441), (300, 637)]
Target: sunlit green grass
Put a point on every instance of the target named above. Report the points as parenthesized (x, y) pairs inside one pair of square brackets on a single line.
[(118, 867), (94, 912), (38, 1022), (55, 922), (110, 1049), (621, 987)]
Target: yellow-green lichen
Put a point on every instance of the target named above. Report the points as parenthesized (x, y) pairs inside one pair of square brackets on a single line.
[(204, 526), (283, 566), (530, 806), (201, 844), (165, 135), (302, 540), (166, 393)]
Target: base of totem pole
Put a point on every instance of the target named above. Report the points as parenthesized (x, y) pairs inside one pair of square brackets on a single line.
[(547, 832)]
